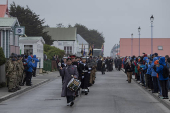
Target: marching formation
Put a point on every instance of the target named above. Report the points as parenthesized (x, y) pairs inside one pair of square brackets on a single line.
[(78, 74), (19, 70)]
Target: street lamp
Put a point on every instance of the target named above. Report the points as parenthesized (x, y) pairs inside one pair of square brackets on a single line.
[(152, 18), (139, 29), (131, 44)]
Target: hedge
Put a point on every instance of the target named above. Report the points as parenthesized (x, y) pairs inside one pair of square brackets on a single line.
[(2, 57)]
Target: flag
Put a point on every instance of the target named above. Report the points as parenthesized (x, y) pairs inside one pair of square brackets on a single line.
[(102, 49), (84, 51), (90, 51)]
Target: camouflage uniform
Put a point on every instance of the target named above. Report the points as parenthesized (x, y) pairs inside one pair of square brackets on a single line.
[(20, 72), (92, 64), (12, 75), (7, 66)]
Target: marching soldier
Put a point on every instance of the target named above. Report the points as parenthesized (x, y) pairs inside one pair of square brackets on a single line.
[(76, 65), (68, 72), (103, 66), (85, 75), (63, 65)]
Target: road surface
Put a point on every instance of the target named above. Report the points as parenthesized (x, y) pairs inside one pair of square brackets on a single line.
[(110, 94)]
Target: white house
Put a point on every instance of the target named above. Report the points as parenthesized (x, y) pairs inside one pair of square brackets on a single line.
[(33, 46), (64, 39), (8, 39), (82, 43)]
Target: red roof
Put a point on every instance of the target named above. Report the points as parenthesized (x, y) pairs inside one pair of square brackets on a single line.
[(3, 10)]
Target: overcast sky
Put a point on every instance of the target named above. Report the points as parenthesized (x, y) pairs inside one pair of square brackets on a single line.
[(114, 18)]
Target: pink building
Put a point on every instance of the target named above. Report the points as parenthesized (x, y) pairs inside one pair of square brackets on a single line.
[(160, 46)]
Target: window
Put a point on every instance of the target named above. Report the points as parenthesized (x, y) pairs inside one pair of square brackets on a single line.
[(28, 49), (68, 49), (65, 49), (160, 48)]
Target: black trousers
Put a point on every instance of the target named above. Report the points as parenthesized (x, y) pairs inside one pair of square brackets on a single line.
[(103, 70), (28, 78), (85, 81), (69, 99), (119, 67), (150, 82), (164, 87), (155, 84), (34, 72)]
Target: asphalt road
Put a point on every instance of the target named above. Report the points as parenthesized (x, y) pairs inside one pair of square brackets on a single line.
[(110, 94)]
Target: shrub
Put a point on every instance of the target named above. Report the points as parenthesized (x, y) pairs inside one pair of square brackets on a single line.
[(50, 51), (2, 57)]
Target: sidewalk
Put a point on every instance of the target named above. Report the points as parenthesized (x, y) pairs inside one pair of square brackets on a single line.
[(36, 81), (165, 102)]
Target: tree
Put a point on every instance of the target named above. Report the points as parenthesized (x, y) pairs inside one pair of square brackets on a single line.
[(32, 22), (91, 36)]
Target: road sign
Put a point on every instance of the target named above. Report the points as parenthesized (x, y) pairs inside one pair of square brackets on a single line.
[(20, 30)]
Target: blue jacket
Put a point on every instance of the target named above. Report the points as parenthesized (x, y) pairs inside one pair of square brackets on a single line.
[(30, 65), (159, 69), (124, 61), (149, 71), (36, 60), (154, 74), (146, 63)]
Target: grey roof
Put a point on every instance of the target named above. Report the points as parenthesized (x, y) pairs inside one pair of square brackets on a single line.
[(30, 39), (8, 22), (62, 34), (81, 40)]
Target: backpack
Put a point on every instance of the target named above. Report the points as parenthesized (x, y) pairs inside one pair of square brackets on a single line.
[(165, 71), (169, 67), (26, 66)]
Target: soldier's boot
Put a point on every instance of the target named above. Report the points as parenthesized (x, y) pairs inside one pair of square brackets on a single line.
[(86, 91), (18, 88), (20, 84), (11, 90)]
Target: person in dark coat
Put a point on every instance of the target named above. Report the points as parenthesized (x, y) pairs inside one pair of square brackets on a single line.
[(129, 69), (115, 61), (119, 63), (110, 62), (99, 62), (103, 67), (68, 72)]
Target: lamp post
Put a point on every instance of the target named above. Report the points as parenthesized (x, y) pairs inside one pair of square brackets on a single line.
[(117, 50), (139, 29), (152, 18), (131, 44)]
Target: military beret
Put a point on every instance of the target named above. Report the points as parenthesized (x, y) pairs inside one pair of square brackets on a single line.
[(11, 56), (13, 59), (15, 56), (68, 59)]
